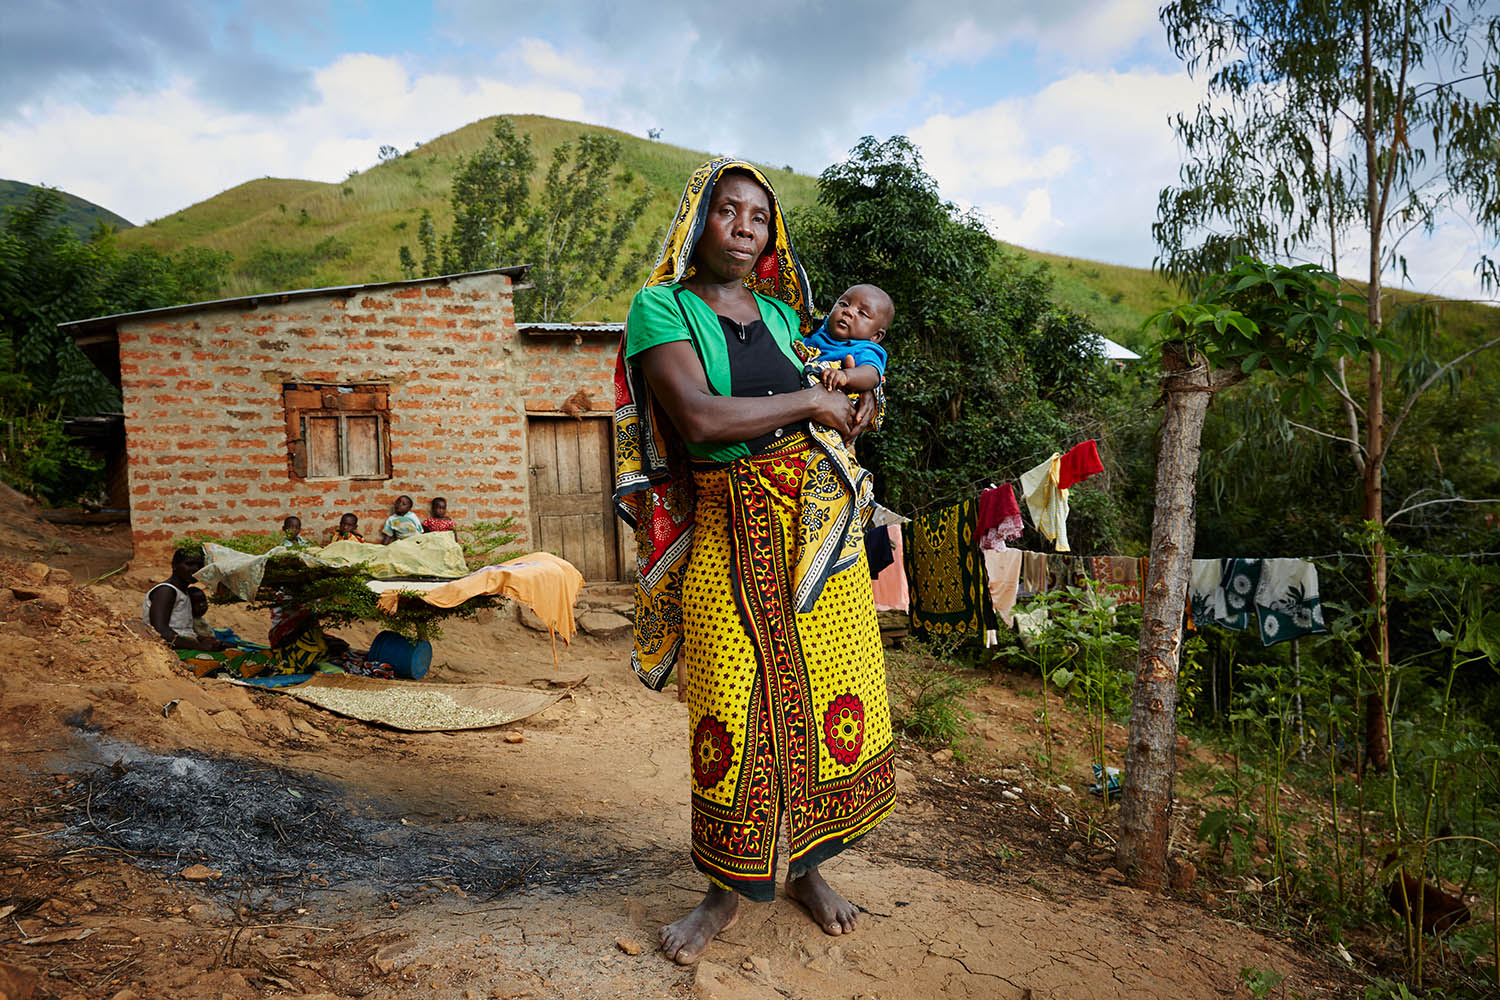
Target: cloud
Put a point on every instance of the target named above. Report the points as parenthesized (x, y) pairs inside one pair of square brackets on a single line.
[(1074, 168), (94, 51), (784, 81), (146, 156)]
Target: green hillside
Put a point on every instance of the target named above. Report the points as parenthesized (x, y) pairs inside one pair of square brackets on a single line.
[(80, 215), (372, 213)]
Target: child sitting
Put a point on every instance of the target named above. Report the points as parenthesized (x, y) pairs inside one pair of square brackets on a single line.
[(292, 529), (439, 520), (347, 531), (401, 524), (855, 326)]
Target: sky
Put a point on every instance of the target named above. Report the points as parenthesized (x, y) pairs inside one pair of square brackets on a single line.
[(1051, 119)]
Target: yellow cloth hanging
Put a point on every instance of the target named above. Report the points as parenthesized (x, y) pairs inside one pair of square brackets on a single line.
[(1047, 501)]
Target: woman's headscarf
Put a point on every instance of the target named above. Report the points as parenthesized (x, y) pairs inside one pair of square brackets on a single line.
[(778, 274)]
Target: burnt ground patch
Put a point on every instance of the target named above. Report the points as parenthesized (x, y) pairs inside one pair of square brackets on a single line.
[(280, 837)]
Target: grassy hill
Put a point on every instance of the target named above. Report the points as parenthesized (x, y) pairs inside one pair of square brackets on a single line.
[(350, 232), (80, 215), (372, 213)]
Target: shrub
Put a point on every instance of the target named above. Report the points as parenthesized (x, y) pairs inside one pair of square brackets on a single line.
[(38, 457), (927, 697)]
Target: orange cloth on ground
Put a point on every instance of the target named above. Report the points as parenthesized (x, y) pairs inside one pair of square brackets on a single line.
[(542, 581), (890, 586)]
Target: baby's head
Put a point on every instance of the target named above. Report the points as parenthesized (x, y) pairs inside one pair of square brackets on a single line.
[(349, 524), (864, 312), (199, 601), (402, 504), (292, 526)]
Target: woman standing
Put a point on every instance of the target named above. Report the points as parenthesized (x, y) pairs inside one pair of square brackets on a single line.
[(752, 578)]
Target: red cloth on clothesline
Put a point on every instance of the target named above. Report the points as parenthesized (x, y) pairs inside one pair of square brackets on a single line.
[(1081, 461), (999, 517)]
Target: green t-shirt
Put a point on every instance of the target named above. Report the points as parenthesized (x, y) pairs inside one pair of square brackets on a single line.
[(664, 314)]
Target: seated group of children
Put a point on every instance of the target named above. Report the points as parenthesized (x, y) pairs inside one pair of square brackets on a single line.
[(401, 524)]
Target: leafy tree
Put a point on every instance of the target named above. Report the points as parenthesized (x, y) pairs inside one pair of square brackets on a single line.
[(574, 231), (49, 276), (1324, 119), (984, 369)]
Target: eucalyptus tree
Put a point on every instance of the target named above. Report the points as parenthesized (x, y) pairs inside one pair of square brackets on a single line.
[(1329, 124)]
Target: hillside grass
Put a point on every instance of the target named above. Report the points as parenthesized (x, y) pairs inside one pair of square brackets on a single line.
[(373, 212)]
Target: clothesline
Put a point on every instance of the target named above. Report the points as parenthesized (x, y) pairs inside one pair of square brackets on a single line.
[(967, 489), (1401, 555)]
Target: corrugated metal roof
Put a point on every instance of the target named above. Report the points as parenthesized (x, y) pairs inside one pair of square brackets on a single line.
[(80, 327), (1116, 352)]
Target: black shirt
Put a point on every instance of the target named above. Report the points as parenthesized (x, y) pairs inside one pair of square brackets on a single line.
[(758, 367)]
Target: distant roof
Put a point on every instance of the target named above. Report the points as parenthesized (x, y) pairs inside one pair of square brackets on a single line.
[(571, 329), (1116, 352), (80, 327)]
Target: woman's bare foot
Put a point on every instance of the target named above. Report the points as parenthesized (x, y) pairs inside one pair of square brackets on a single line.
[(829, 910), (685, 940)]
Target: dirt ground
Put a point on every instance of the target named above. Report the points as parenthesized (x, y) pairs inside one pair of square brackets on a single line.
[(480, 865)]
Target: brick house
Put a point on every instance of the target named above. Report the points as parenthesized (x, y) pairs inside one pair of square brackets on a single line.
[(322, 401)]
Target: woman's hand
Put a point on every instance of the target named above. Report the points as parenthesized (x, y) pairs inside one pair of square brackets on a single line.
[(832, 409), (864, 416)]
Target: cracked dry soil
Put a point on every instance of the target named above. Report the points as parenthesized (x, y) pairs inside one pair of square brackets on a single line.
[(464, 866)]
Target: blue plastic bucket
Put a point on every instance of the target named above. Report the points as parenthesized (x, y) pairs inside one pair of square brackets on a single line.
[(408, 660)]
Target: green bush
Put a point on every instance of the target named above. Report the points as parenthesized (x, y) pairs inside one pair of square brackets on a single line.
[(38, 457), (927, 697)]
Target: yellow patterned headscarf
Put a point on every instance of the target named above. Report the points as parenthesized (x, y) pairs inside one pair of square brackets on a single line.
[(778, 274)]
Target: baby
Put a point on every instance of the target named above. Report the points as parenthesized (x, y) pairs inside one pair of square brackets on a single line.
[(855, 326), (198, 599), (401, 524)]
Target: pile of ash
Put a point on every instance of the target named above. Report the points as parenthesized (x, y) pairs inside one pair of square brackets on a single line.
[(269, 829)]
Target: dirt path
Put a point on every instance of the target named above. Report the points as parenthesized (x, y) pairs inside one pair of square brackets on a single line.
[(539, 868)]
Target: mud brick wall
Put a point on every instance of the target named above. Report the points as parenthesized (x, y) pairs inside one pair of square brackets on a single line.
[(211, 450)]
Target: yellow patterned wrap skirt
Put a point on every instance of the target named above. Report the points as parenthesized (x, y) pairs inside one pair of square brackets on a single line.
[(788, 713)]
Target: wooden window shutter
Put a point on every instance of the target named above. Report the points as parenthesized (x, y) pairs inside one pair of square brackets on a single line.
[(363, 442), (323, 447)]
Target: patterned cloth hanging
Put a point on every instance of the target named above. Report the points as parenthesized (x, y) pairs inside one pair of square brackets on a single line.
[(1287, 600), (946, 574), (1118, 571)]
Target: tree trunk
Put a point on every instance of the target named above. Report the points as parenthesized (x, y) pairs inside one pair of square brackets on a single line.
[(1377, 740), (1150, 768)]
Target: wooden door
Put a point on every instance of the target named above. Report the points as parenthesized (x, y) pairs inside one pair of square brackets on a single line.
[(572, 478)]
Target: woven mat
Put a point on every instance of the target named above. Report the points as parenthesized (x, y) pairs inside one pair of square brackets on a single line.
[(422, 708)]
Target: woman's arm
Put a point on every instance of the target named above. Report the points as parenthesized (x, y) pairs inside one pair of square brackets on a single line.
[(676, 378)]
